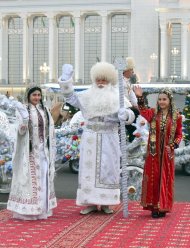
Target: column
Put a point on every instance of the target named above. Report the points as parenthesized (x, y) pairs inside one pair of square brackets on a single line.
[(77, 24), (104, 36), (25, 48), (164, 50), (52, 36), (184, 50)]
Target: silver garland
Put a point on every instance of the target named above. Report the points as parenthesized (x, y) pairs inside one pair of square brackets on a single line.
[(120, 65)]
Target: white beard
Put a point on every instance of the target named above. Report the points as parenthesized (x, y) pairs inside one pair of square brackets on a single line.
[(99, 101)]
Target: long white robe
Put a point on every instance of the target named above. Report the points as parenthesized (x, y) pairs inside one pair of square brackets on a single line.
[(99, 169), (32, 193), (99, 165)]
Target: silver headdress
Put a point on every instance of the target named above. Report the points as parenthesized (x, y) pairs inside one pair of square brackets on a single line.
[(168, 92)]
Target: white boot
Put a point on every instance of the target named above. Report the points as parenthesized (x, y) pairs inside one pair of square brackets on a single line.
[(89, 210), (107, 210)]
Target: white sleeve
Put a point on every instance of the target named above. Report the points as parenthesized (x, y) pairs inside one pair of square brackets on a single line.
[(22, 110), (133, 98)]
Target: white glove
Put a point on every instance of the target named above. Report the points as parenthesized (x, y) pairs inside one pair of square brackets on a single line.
[(123, 114), (126, 115), (66, 86), (22, 110), (131, 117), (67, 72)]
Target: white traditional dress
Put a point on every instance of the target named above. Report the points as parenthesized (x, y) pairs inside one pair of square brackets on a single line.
[(32, 193)]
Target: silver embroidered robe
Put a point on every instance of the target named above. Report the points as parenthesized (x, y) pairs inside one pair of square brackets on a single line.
[(32, 190), (99, 165)]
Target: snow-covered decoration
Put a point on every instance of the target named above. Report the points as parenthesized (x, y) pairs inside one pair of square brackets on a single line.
[(142, 128), (8, 126), (8, 107), (68, 142), (77, 120), (182, 156), (136, 152), (6, 149)]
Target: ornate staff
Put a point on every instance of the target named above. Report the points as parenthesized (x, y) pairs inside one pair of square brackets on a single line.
[(120, 64)]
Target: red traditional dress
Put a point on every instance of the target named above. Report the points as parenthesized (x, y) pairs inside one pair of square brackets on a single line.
[(159, 169)]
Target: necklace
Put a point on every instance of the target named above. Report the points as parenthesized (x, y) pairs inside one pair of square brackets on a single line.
[(163, 121)]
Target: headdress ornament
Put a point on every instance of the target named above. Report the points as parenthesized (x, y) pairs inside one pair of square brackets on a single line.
[(31, 88), (167, 91)]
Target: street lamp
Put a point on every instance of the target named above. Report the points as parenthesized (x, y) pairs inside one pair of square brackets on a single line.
[(44, 69), (153, 57), (174, 52)]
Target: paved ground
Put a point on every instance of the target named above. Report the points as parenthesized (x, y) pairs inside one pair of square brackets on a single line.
[(66, 186)]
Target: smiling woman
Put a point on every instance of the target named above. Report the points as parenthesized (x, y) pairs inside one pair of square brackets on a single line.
[(32, 193), (164, 136)]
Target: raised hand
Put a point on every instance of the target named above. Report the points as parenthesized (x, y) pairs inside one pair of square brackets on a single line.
[(22, 110), (138, 90)]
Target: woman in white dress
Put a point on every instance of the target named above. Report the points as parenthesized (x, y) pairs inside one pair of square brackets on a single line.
[(32, 193)]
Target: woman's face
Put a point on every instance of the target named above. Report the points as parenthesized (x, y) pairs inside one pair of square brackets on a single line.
[(101, 83), (35, 97), (163, 101)]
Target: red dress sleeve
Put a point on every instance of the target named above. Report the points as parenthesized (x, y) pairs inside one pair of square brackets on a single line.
[(178, 133), (147, 113)]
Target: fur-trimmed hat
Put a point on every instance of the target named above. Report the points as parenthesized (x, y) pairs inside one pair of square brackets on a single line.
[(104, 70), (130, 64)]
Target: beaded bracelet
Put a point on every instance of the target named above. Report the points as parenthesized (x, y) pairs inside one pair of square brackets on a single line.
[(141, 102), (177, 141), (172, 146), (140, 98)]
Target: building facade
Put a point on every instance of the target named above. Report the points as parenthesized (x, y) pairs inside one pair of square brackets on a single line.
[(38, 36)]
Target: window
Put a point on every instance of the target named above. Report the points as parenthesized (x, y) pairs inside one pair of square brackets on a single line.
[(66, 39), (92, 44), (119, 36), (175, 51), (15, 50), (40, 47)]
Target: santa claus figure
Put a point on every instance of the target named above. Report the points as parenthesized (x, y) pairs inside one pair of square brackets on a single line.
[(99, 165)]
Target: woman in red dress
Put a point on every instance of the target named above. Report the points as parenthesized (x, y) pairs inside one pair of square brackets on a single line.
[(164, 136)]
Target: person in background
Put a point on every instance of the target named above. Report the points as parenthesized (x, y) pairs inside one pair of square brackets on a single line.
[(99, 165), (128, 74), (7, 94), (165, 135), (32, 193)]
